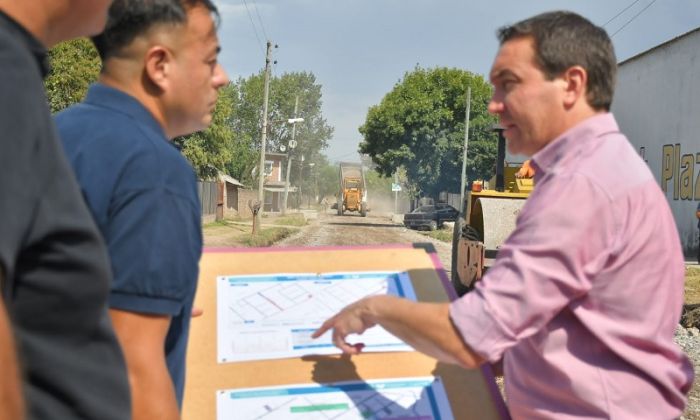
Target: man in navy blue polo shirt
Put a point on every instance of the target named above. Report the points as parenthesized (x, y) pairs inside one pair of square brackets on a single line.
[(159, 80)]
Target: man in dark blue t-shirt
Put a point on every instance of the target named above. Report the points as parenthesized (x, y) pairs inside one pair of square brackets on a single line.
[(159, 80)]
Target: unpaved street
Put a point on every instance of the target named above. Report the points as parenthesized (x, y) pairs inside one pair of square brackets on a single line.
[(375, 229)]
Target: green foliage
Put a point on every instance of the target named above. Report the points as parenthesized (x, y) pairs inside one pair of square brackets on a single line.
[(74, 66), (209, 151), (312, 135), (232, 143), (268, 236), (291, 220), (443, 235), (377, 182), (419, 126), (328, 181)]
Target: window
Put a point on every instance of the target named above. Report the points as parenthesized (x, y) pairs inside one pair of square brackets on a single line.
[(268, 167)]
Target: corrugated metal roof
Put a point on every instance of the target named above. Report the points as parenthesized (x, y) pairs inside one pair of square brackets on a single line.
[(230, 180)]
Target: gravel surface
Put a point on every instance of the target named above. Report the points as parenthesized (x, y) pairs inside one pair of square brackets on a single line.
[(689, 340)]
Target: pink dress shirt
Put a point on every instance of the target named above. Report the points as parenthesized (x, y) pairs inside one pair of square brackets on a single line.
[(585, 295)]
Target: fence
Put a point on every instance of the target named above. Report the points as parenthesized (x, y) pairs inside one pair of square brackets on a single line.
[(207, 191)]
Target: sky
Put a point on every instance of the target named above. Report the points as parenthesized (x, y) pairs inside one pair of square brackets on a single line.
[(359, 49)]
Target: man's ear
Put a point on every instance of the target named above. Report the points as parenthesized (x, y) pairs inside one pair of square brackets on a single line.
[(576, 79), (158, 64)]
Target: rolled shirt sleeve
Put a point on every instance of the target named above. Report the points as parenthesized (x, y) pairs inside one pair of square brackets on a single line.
[(544, 265)]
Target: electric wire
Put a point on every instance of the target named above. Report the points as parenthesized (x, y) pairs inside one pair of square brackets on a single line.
[(633, 18), (260, 20), (254, 29), (621, 12)]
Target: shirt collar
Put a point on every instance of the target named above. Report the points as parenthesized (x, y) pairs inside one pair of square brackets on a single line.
[(572, 140), (31, 43), (104, 96)]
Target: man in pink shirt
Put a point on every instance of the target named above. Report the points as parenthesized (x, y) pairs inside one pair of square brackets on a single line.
[(584, 297)]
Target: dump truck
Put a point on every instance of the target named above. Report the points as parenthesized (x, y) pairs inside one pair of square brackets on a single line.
[(353, 189), (487, 219)]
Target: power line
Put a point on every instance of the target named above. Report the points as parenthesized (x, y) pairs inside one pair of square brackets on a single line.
[(260, 20), (633, 18), (253, 24), (621, 12)]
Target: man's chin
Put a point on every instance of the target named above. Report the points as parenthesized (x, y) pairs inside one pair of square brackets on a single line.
[(514, 148)]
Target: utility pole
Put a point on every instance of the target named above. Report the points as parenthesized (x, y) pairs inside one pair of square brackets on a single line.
[(464, 155), (261, 182), (301, 174), (292, 145), (396, 193)]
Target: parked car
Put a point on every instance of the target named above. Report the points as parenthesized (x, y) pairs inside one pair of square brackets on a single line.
[(430, 217)]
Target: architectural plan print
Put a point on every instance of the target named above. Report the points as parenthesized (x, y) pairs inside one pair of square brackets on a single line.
[(273, 316), (395, 399)]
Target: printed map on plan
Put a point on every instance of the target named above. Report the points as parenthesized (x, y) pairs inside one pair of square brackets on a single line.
[(272, 316), (404, 399)]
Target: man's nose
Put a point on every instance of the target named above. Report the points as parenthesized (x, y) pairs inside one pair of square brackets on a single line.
[(495, 106), (220, 77)]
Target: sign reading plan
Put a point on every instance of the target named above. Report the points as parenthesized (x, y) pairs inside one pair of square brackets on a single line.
[(272, 316)]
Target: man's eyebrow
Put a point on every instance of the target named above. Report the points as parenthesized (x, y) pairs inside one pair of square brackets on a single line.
[(500, 74)]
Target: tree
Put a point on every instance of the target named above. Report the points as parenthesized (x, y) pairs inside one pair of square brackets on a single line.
[(419, 126), (75, 65), (211, 150), (328, 179), (232, 143), (312, 135)]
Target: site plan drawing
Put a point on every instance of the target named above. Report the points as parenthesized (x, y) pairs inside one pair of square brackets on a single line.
[(272, 316), (396, 399)]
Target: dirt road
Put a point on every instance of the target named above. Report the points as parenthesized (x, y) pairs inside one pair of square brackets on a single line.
[(375, 229)]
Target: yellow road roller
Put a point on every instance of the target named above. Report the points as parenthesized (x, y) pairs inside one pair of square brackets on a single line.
[(488, 217)]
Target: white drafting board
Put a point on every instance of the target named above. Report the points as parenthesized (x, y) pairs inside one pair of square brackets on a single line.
[(263, 317), (406, 398)]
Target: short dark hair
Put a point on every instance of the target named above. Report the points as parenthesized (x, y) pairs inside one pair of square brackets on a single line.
[(564, 39), (128, 19)]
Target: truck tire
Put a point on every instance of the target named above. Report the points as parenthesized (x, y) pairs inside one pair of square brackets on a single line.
[(363, 210), (341, 209), (461, 230)]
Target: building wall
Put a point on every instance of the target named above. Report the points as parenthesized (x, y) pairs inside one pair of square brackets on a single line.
[(657, 105), (244, 196), (276, 175)]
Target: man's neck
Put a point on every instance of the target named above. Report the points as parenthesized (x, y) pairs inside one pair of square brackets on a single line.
[(34, 16), (134, 88)]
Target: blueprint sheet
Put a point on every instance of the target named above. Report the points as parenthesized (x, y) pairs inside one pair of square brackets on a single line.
[(272, 316), (396, 399)]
